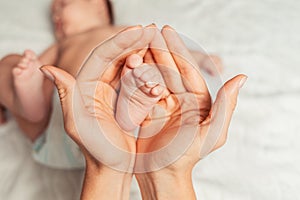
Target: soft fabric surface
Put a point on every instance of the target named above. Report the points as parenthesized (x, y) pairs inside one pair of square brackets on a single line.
[(260, 38), (22, 178), (54, 148)]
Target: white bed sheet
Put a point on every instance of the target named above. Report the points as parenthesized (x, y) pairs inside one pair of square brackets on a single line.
[(260, 38)]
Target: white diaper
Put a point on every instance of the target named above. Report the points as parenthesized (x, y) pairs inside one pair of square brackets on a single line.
[(54, 148)]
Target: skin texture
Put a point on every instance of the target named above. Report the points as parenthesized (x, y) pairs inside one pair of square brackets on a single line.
[(187, 107)]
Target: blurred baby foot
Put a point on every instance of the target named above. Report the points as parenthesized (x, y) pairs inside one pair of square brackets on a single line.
[(28, 85)]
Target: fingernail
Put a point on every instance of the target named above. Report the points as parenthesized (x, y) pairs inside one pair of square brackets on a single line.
[(242, 81), (167, 27), (151, 84), (154, 91), (151, 25), (47, 74)]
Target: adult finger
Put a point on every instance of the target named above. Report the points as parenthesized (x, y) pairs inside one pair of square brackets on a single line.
[(166, 64), (112, 51), (191, 76), (68, 92), (214, 129), (140, 48)]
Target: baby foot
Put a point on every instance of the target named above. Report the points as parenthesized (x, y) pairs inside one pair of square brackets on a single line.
[(28, 85), (141, 88)]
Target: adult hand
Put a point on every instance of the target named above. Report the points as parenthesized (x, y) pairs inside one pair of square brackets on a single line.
[(184, 127), (88, 108)]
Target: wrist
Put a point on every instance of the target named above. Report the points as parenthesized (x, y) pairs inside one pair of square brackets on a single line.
[(102, 182), (164, 184)]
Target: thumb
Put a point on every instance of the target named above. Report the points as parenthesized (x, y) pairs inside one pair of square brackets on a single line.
[(214, 129), (60, 78), (65, 84)]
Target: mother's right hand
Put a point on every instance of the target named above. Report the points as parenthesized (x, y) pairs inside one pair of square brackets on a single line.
[(184, 126)]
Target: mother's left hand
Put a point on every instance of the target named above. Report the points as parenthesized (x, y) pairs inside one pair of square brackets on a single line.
[(88, 109)]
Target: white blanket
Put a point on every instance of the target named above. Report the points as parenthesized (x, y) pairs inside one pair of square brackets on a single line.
[(260, 38)]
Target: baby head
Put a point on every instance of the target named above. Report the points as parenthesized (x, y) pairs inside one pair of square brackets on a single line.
[(71, 17)]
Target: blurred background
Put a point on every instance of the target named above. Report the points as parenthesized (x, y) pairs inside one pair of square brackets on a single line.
[(259, 38)]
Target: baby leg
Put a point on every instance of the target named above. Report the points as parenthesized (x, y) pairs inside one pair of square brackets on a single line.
[(28, 87), (141, 88)]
